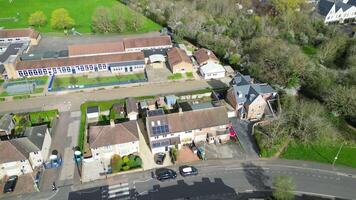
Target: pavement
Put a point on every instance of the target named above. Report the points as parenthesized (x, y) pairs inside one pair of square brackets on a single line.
[(221, 151), (219, 179), (64, 139), (72, 101)]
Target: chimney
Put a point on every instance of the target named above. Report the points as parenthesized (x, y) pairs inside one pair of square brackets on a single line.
[(112, 122), (180, 110), (209, 53)]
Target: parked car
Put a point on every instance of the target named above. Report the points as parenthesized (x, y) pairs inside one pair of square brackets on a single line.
[(186, 170), (159, 158), (164, 174), (10, 184)]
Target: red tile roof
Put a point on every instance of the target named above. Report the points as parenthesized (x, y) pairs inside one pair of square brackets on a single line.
[(203, 55), (125, 132), (24, 32), (176, 56), (147, 42), (96, 48)]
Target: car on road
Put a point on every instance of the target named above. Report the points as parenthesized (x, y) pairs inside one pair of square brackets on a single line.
[(165, 174), (187, 170), (159, 158), (10, 184)]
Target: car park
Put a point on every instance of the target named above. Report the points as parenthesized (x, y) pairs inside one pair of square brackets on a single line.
[(165, 174), (186, 170), (159, 158), (10, 184)]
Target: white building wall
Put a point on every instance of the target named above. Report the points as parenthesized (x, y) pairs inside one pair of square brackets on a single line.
[(213, 75), (15, 168), (132, 116), (137, 49), (107, 152), (15, 39), (36, 159), (46, 146)]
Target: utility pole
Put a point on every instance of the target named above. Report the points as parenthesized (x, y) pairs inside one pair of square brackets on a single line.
[(337, 155)]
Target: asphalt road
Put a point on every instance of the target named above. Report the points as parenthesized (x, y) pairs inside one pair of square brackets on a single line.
[(222, 179), (72, 101)]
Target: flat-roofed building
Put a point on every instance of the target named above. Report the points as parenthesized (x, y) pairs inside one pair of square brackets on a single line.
[(124, 63), (147, 43), (19, 35)]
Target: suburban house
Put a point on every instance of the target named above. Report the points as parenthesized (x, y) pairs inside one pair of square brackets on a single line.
[(13, 160), (40, 139), (93, 113), (131, 108), (203, 56), (7, 123), (175, 129), (121, 139), (250, 100), (122, 63), (337, 11), (179, 61), (105, 48), (20, 35), (212, 70), (147, 43)]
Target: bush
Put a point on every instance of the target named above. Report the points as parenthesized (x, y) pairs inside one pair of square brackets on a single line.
[(2, 99), (125, 168)]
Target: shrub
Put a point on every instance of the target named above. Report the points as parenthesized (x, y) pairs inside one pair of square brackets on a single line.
[(37, 18), (125, 168), (126, 159)]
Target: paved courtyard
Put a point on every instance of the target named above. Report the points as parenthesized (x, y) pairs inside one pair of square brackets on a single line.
[(157, 74), (24, 185), (228, 150)]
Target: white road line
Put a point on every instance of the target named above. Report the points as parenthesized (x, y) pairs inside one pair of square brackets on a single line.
[(119, 194), (118, 185), (118, 190)]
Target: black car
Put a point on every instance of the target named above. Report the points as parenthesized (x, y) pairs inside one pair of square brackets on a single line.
[(159, 158), (164, 174), (186, 170), (10, 184)]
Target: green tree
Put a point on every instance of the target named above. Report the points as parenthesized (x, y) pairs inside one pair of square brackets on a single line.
[(342, 100), (136, 21), (73, 80), (37, 18), (283, 6), (101, 20), (116, 163), (283, 187), (61, 19), (119, 22)]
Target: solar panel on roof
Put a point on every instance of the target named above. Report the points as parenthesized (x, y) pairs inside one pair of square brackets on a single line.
[(160, 129)]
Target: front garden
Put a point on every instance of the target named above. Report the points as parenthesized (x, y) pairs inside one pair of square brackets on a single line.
[(125, 163)]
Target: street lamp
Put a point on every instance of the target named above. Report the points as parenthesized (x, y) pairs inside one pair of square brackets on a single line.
[(337, 155)]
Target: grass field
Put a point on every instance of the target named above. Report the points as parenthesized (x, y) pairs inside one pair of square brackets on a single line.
[(322, 153), (43, 116), (80, 10), (64, 82)]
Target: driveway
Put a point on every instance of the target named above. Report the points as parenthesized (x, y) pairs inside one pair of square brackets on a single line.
[(244, 134), (186, 155), (219, 151), (157, 74), (146, 154), (24, 185)]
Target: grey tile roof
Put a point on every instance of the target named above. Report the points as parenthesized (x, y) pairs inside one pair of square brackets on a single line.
[(36, 135), (341, 5), (246, 91), (324, 6), (131, 105), (12, 49), (352, 2)]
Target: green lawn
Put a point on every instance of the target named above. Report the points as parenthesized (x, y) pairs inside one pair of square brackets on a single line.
[(322, 153), (189, 74), (80, 10), (43, 116), (64, 82), (175, 76), (309, 50), (39, 80)]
